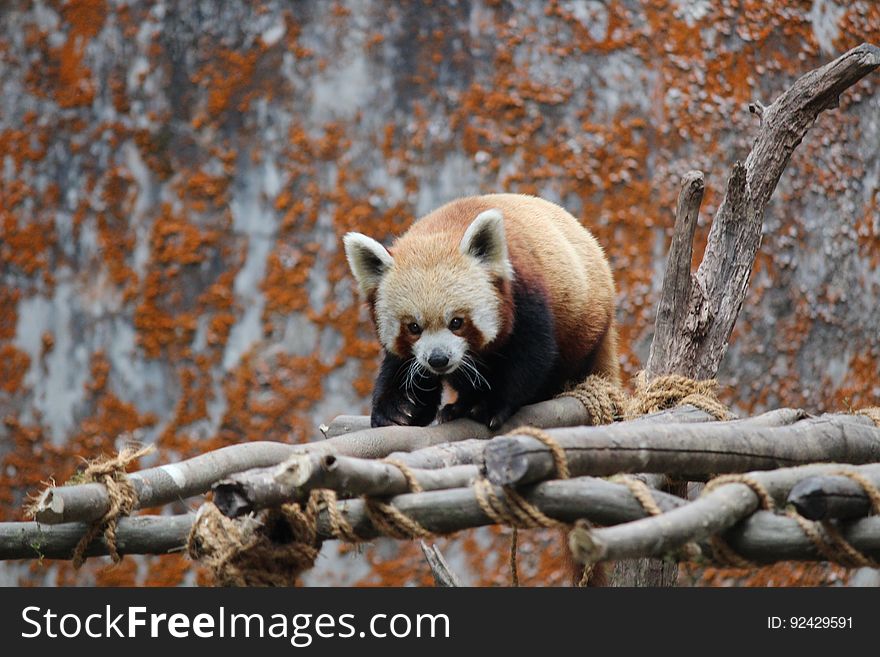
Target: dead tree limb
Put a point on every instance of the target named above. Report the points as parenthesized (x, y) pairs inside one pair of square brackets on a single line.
[(675, 293), (159, 485), (713, 513), (686, 449), (830, 496), (443, 574), (293, 480), (343, 424), (696, 314), (138, 535), (695, 343)]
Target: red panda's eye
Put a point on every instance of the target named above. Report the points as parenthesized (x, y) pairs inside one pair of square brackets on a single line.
[(456, 323), (414, 328)]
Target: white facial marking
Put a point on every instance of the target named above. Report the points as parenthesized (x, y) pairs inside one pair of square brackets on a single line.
[(441, 343)]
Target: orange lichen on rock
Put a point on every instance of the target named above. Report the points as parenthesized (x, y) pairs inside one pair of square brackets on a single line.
[(71, 79), (14, 365)]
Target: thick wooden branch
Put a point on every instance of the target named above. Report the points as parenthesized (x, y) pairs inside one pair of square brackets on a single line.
[(686, 449), (762, 537), (343, 424), (699, 340), (713, 513), (443, 574), (159, 485), (138, 535), (294, 479), (676, 290), (830, 496)]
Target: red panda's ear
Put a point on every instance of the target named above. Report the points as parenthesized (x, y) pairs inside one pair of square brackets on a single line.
[(368, 261), (484, 240)]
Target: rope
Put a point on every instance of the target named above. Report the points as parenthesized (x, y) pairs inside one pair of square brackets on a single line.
[(870, 489), (642, 492), (270, 551), (721, 550), (830, 543), (603, 400), (514, 510), (408, 474), (339, 525), (556, 451), (672, 390), (510, 508), (514, 572), (390, 521), (757, 487), (122, 496)]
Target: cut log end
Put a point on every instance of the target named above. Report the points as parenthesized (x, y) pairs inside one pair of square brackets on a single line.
[(505, 463), (49, 508), (230, 498), (584, 546)]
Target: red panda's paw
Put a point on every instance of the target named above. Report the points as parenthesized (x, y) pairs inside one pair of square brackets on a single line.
[(492, 416), (451, 412), (401, 412)]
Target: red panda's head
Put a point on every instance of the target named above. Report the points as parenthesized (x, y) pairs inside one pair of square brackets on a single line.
[(438, 297)]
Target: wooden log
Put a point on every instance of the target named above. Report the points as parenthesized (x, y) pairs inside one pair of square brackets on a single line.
[(138, 535), (159, 485), (343, 424), (167, 483), (714, 512), (294, 479), (676, 290), (443, 574), (693, 343), (471, 451), (762, 537), (830, 496), (766, 538), (684, 449), (696, 314)]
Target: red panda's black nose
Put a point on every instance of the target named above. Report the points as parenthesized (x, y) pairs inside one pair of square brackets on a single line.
[(438, 360)]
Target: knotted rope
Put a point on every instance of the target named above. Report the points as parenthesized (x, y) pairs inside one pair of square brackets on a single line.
[(390, 520), (121, 494), (270, 551), (513, 509), (826, 536), (722, 552), (603, 400), (670, 390), (830, 543)]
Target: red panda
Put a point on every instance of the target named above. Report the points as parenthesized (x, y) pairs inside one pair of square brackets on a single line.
[(504, 297)]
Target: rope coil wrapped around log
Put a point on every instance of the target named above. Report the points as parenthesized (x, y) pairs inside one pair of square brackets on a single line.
[(670, 390), (276, 547), (270, 551), (603, 400), (111, 472)]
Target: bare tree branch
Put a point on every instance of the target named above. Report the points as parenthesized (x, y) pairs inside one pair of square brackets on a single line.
[(686, 449), (443, 574)]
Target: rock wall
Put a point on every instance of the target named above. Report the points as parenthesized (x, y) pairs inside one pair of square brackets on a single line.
[(175, 177)]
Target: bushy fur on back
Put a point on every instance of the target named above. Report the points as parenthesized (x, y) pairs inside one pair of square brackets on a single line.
[(506, 298)]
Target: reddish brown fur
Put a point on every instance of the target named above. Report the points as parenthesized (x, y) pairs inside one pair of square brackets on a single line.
[(556, 255)]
